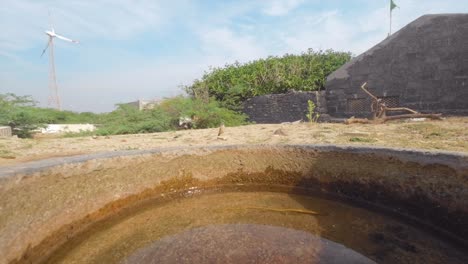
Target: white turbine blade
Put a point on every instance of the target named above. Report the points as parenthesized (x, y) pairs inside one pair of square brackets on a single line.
[(66, 39), (48, 43)]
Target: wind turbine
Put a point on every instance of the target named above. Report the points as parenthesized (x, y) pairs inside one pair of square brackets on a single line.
[(54, 99)]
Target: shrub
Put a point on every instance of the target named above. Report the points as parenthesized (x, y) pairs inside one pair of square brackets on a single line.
[(129, 120), (204, 115), (21, 114), (18, 113), (165, 116), (311, 115), (234, 83)]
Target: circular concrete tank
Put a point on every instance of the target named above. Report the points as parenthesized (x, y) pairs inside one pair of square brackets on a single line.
[(45, 203)]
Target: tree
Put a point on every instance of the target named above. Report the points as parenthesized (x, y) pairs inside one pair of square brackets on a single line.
[(16, 112)]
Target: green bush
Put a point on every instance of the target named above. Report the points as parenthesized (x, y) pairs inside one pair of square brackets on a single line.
[(18, 113), (165, 116), (203, 114), (129, 120), (234, 83), (21, 113)]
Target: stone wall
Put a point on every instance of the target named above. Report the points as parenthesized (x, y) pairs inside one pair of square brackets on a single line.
[(423, 66), (5, 131), (278, 108)]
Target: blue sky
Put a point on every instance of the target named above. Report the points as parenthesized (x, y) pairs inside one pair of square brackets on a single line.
[(133, 50)]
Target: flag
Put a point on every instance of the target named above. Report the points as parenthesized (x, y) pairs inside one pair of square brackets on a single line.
[(392, 5)]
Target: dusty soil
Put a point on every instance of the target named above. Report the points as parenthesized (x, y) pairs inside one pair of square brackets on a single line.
[(449, 134)]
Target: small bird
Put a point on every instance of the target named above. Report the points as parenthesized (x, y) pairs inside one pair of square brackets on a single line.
[(221, 129)]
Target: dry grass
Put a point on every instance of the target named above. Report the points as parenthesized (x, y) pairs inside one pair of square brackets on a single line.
[(449, 134), (6, 153)]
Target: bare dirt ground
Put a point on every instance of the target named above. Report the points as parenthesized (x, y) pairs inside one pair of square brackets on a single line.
[(450, 134)]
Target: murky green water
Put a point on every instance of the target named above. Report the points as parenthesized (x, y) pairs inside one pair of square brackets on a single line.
[(255, 227)]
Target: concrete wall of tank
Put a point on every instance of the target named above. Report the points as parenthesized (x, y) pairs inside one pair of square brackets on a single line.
[(43, 203)]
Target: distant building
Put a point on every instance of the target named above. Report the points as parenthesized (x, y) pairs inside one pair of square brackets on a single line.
[(144, 104)]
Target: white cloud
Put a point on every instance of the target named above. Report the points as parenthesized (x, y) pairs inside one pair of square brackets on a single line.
[(375, 20), (327, 30), (281, 7), (222, 45)]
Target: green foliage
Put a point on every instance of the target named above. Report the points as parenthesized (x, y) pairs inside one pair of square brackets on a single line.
[(311, 115), (165, 116), (15, 111), (129, 120), (53, 116), (234, 83), (203, 114), (23, 123), (21, 114)]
